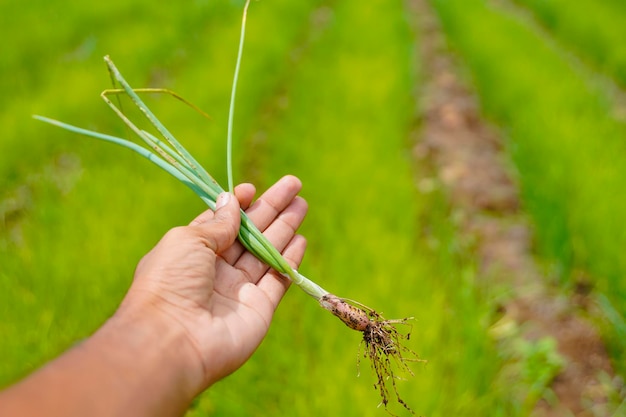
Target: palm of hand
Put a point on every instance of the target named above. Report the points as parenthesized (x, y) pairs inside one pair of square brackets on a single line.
[(224, 301)]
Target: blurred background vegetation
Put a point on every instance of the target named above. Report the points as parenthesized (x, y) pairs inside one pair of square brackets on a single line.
[(328, 92)]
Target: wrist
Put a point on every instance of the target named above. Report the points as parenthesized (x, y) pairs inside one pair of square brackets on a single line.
[(152, 354), (136, 364)]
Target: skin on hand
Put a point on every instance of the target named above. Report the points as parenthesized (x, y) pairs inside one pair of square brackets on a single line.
[(199, 278), (198, 307)]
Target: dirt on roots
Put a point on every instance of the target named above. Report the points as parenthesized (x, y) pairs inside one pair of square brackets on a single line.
[(467, 159)]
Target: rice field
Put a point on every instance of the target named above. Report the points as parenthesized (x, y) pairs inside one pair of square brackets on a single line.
[(329, 91)]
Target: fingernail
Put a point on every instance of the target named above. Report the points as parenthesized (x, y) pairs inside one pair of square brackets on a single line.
[(222, 200)]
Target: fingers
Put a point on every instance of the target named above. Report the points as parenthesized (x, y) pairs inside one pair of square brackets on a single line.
[(279, 233), (243, 192), (275, 285), (273, 201), (265, 210), (219, 231)]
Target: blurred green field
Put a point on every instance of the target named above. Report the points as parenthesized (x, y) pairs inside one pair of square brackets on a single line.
[(567, 140), (592, 30), (322, 97), (327, 92)]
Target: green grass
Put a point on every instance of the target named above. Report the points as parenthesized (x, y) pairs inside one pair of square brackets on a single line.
[(593, 29), (326, 93), (568, 150)]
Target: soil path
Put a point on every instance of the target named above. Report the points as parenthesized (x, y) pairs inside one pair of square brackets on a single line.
[(468, 159)]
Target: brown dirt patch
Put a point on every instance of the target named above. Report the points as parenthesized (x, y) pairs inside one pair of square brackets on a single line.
[(468, 159)]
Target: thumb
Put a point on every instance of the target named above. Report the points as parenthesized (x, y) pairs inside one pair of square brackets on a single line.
[(220, 232)]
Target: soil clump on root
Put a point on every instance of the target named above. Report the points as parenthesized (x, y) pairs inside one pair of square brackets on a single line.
[(383, 342)]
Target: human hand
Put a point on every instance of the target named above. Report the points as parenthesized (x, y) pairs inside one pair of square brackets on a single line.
[(199, 280), (198, 307)]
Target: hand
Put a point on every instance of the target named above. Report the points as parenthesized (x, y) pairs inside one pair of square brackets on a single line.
[(198, 307), (198, 278)]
